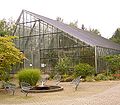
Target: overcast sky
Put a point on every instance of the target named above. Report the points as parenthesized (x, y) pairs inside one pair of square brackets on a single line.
[(103, 15)]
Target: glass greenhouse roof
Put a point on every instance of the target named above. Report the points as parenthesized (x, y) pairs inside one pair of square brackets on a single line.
[(85, 36)]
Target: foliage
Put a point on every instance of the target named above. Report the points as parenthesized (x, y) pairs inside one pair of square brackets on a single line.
[(89, 79), (83, 27), (9, 55), (6, 28), (116, 36), (101, 77), (116, 76), (67, 78), (74, 24), (113, 62), (51, 56), (83, 69), (29, 75), (63, 65), (95, 31), (3, 75), (111, 77), (59, 19)]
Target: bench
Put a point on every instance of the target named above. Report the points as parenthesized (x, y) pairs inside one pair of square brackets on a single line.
[(25, 87), (76, 82), (9, 86), (57, 79)]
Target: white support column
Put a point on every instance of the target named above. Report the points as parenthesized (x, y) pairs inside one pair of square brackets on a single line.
[(96, 59)]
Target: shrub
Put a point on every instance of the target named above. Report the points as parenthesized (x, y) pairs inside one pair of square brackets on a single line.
[(67, 78), (29, 75), (9, 56), (116, 76), (111, 77), (83, 69), (113, 62), (101, 77), (89, 79), (63, 65)]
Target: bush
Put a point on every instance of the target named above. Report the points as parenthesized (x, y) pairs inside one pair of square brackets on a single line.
[(83, 69), (110, 77), (89, 79), (67, 78), (101, 77), (116, 76), (29, 75), (9, 56), (113, 62), (63, 65)]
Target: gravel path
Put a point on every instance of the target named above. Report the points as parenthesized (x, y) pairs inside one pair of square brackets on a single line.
[(108, 97), (111, 96)]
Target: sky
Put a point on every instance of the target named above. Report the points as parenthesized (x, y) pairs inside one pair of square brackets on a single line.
[(103, 15)]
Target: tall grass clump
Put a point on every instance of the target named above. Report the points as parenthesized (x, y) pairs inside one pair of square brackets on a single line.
[(29, 75)]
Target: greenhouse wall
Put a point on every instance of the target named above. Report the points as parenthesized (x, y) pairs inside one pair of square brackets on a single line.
[(43, 43), (101, 53)]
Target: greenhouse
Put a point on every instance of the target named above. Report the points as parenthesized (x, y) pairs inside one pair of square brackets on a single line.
[(44, 41)]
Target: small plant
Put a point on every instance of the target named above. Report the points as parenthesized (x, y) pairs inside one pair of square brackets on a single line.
[(89, 79), (63, 65), (67, 78), (29, 75), (116, 76), (101, 77), (83, 69), (111, 77)]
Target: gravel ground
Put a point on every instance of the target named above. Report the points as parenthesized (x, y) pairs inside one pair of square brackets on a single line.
[(88, 93)]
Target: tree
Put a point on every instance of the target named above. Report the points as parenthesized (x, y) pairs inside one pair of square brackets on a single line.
[(9, 55), (116, 36), (74, 24), (95, 31), (83, 27), (59, 19), (6, 28)]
